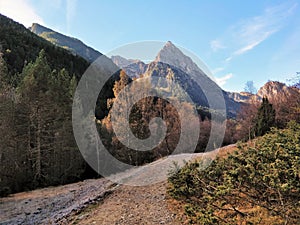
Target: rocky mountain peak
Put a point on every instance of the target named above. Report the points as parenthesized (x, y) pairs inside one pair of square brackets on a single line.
[(168, 53), (172, 55), (277, 91), (271, 88)]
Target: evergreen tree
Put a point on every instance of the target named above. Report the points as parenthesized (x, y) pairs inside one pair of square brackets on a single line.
[(53, 151), (3, 71), (33, 91), (265, 118)]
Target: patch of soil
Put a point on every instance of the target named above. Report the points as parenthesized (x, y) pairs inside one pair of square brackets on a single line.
[(131, 205)]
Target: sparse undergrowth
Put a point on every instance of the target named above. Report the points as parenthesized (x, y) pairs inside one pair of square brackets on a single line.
[(259, 183)]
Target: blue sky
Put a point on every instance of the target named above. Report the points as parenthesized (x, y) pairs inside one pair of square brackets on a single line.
[(237, 40)]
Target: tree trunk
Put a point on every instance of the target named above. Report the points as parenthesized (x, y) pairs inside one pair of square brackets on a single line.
[(38, 147)]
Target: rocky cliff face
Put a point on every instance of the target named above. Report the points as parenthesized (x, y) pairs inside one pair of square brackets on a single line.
[(244, 97), (74, 45), (277, 91), (173, 75), (133, 67)]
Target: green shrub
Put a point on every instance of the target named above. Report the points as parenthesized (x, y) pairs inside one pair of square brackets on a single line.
[(251, 182)]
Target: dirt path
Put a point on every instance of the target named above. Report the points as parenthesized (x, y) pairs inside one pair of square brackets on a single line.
[(131, 205), (140, 204), (54, 205), (100, 201)]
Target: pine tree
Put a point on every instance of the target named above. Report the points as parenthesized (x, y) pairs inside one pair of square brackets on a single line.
[(33, 91), (54, 154), (3, 71), (265, 118)]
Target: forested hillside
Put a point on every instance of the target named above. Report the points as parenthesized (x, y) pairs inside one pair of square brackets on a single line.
[(37, 144), (20, 46), (37, 82)]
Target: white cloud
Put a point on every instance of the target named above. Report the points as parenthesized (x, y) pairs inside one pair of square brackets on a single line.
[(228, 59), (221, 81), (216, 45), (20, 11), (245, 49), (249, 33)]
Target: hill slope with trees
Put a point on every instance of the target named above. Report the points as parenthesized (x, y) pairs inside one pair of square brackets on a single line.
[(20, 46), (37, 82)]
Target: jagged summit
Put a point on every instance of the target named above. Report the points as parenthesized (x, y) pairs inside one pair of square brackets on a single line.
[(168, 50), (277, 91), (172, 55), (169, 44)]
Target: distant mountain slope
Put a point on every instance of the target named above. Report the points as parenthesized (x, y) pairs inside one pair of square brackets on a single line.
[(20, 46), (133, 67), (173, 64), (74, 45), (241, 96), (275, 91), (122, 62)]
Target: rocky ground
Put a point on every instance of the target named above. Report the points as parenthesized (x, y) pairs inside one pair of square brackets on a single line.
[(50, 205)]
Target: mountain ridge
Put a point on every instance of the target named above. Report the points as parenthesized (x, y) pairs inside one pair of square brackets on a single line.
[(20, 46), (74, 45), (273, 90), (171, 55), (133, 67)]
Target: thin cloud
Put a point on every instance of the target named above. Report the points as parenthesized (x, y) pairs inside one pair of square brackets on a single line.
[(216, 45), (221, 81), (249, 33), (20, 11), (228, 59), (246, 48)]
